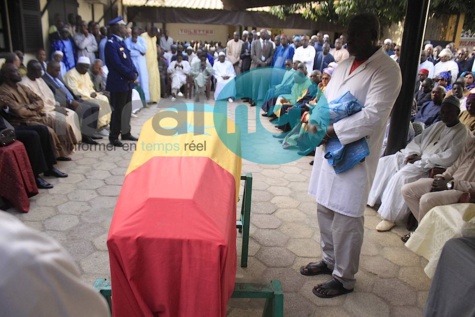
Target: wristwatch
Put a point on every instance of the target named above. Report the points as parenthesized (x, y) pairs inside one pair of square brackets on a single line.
[(450, 185)]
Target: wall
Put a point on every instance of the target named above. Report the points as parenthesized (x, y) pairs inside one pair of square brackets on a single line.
[(394, 33), (219, 32), (84, 10)]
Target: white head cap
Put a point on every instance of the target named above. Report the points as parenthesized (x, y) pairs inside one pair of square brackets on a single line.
[(58, 53), (388, 41), (84, 60), (428, 46), (221, 54)]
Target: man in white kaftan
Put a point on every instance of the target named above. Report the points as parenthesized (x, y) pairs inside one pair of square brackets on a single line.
[(179, 71), (233, 52), (305, 54), (79, 81), (34, 81), (39, 278), (224, 74), (438, 145), (375, 80), (138, 49)]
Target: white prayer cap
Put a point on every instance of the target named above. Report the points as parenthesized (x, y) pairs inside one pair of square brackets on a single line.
[(245, 32), (428, 46), (84, 60), (446, 52), (388, 41), (221, 54), (258, 33), (326, 36), (58, 53)]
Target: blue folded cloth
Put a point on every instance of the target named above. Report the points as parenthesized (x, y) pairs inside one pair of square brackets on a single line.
[(341, 157)]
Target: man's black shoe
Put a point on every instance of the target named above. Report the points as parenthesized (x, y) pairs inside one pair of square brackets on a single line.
[(42, 184), (88, 140), (55, 172), (116, 143), (129, 137), (96, 136)]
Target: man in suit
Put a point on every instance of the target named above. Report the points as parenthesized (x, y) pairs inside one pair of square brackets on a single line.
[(88, 112), (120, 82), (246, 52), (262, 52)]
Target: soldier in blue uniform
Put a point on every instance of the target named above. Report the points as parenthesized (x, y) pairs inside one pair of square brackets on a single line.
[(120, 81)]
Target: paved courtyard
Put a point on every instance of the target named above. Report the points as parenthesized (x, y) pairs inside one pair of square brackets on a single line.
[(284, 236)]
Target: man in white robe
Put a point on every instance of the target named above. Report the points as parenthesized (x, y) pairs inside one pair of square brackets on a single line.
[(374, 79), (138, 49), (305, 53), (233, 52), (34, 81), (439, 145), (224, 74), (179, 71), (39, 278), (79, 81), (152, 63), (447, 64)]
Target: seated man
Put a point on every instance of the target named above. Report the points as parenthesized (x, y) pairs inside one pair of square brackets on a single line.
[(79, 81), (179, 71), (87, 111), (446, 188), (301, 83), (424, 94), (40, 149), (438, 145), (34, 81), (467, 117), (224, 74), (428, 113), (201, 72), (21, 106), (283, 88)]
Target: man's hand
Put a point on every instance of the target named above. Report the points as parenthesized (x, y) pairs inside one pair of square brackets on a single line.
[(74, 105), (439, 184), (411, 159), (93, 95)]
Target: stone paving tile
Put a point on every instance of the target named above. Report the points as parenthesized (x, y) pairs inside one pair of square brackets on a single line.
[(74, 207), (279, 190), (295, 305), (379, 266), (400, 256), (270, 238), (82, 195), (275, 256), (291, 280), (395, 292), (40, 214), (90, 184), (51, 200), (406, 311), (79, 249), (266, 221), (297, 230), (415, 277), (61, 222), (331, 312), (109, 190), (303, 247), (285, 202), (366, 304), (262, 207), (291, 215)]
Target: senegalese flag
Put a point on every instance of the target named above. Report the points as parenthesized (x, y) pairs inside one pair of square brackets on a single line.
[(172, 241)]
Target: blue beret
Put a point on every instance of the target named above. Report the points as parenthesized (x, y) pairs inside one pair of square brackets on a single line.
[(118, 20)]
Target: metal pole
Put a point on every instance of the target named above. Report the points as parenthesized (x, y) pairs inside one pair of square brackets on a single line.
[(414, 29)]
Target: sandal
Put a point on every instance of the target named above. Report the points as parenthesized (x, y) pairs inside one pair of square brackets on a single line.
[(330, 289), (315, 268)]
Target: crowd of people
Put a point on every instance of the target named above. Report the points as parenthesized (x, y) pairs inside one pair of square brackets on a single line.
[(81, 90)]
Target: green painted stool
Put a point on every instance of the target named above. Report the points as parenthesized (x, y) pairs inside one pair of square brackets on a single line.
[(272, 292), (244, 221)]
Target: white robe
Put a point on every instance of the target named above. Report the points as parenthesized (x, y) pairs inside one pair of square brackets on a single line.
[(305, 55), (137, 53), (39, 278), (437, 145), (376, 84), (447, 66), (220, 70), (429, 66), (178, 75)]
